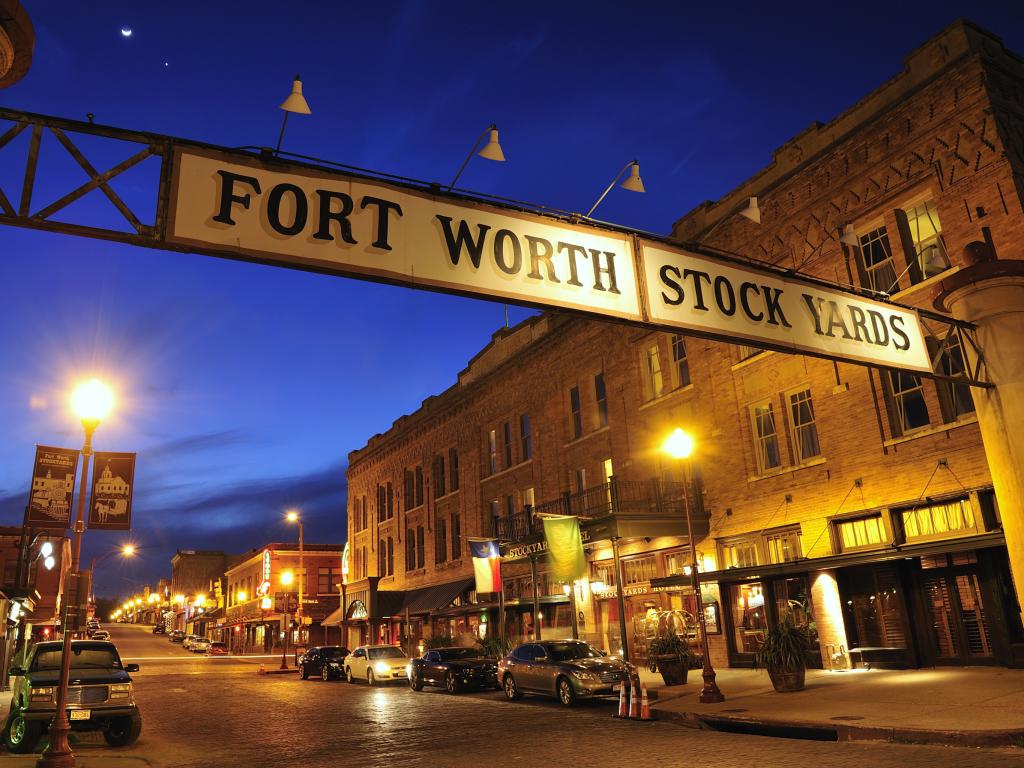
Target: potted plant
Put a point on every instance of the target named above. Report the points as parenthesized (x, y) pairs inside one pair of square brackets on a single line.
[(784, 656), (670, 654), (493, 647)]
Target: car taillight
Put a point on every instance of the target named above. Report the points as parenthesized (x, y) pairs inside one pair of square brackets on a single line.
[(41, 694), (120, 691)]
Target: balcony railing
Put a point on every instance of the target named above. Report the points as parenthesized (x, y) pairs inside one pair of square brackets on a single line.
[(623, 497)]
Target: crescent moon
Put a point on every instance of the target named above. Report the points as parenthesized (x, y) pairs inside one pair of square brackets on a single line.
[(126, 31)]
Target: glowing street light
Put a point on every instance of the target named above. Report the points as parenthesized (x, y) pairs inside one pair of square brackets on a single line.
[(92, 400), (680, 446), (287, 577), (242, 596)]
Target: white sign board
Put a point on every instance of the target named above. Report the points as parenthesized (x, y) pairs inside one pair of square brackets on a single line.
[(358, 227), (284, 213), (724, 298)]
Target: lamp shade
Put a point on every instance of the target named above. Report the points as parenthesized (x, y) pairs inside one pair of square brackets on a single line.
[(492, 149), (296, 102), (751, 211), (634, 183)]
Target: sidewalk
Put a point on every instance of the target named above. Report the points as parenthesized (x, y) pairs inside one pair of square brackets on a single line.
[(965, 706)]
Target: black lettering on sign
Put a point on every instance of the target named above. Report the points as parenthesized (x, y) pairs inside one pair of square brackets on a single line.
[(228, 197), (274, 200), (896, 323), (541, 252), (771, 300), (572, 251), (327, 197), (814, 305), (595, 257), (835, 318), (725, 298), (745, 290), (879, 327), (859, 322), (384, 207), (499, 252), (670, 277), (463, 240), (698, 293)]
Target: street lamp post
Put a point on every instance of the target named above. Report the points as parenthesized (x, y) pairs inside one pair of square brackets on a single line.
[(286, 580), (293, 517), (92, 401), (679, 445), (126, 550)]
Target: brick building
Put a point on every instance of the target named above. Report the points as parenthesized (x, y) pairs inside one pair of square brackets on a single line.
[(191, 574), (252, 619), (855, 499)]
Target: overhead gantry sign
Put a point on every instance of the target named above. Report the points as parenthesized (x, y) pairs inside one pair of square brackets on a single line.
[(256, 207)]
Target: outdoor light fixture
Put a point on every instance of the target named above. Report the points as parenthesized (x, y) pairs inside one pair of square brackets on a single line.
[(296, 103), (491, 151), (92, 400), (678, 445), (48, 563), (287, 577), (46, 548), (849, 236), (242, 596), (633, 183), (751, 211), (128, 550)]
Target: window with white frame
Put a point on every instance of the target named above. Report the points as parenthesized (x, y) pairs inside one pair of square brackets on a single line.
[(909, 406), (639, 569), (766, 438), (654, 383), (876, 260), (956, 398), (926, 239), (804, 425), (739, 552), (860, 532), (783, 546), (937, 520), (680, 363)]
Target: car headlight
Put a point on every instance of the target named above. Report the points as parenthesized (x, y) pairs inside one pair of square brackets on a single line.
[(120, 691), (41, 694), (590, 677), (381, 668)]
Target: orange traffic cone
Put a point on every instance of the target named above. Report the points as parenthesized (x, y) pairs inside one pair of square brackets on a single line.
[(623, 706), (645, 707), (634, 702), (262, 670)]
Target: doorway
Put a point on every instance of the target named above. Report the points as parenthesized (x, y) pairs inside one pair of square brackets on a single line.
[(958, 629)]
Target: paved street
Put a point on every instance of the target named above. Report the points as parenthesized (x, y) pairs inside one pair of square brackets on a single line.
[(202, 712)]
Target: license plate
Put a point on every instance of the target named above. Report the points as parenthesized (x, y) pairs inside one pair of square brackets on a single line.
[(81, 714)]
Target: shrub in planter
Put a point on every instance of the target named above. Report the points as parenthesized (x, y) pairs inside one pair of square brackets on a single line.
[(670, 655), (440, 641), (784, 656), (493, 647)]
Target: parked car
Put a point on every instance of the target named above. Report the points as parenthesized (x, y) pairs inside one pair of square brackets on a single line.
[(199, 645), (176, 636), (324, 661), (218, 649), (376, 664), (566, 669), (100, 634), (453, 668), (159, 629), (100, 696), (186, 643)]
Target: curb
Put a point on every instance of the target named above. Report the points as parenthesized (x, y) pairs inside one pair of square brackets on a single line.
[(826, 731)]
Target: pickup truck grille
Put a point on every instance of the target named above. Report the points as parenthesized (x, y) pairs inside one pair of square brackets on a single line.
[(87, 694)]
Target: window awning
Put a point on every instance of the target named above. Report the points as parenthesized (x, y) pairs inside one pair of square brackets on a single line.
[(434, 598), (335, 618)]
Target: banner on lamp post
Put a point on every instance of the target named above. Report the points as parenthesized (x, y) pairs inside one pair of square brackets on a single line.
[(110, 506), (53, 487)]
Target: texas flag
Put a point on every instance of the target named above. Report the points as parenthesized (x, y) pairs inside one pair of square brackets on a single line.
[(486, 564)]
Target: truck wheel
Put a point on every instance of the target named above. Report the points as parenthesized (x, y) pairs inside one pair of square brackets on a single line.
[(123, 731), (22, 735)]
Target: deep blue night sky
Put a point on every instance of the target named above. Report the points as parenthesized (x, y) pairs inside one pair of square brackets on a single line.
[(244, 387)]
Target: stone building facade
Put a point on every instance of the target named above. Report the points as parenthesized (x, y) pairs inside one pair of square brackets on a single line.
[(855, 500)]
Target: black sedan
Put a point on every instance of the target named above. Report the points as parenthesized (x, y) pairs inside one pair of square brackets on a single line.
[(323, 661), (453, 668)]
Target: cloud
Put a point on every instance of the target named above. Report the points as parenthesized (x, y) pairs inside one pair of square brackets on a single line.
[(191, 444)]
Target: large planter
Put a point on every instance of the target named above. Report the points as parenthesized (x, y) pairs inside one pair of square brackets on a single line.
[(787, 680), (673, 670)]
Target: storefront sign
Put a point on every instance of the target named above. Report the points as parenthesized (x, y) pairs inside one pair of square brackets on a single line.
[(110, 505), (536, 547), (366, 228), (747, 304), (628, 591), (53, 487)]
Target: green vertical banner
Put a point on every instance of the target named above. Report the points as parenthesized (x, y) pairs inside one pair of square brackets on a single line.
[(565, 548)]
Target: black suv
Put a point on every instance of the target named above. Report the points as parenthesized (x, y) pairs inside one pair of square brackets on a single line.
[(100, 696)]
